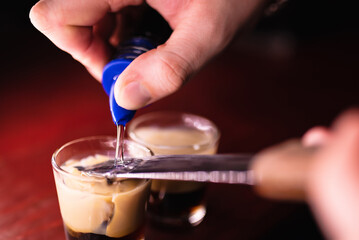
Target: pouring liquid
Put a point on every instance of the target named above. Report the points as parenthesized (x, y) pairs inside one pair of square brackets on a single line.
[(119, 160)]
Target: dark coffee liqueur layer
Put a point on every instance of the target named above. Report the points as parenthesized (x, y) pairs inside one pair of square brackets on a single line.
[(175, 204), (72, 235)]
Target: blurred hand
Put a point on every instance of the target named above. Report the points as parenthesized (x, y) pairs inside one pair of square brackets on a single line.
[(333, 185), (89, 29)]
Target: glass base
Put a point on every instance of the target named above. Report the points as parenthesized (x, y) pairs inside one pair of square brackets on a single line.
[(72, 235), (177, 209), (194, 218)]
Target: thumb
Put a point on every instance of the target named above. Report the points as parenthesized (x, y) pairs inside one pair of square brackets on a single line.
[(162, 71), (333, 184), (150, 77), (201, 30)]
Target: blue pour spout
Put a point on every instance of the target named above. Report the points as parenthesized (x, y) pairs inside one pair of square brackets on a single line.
[(126, 53)]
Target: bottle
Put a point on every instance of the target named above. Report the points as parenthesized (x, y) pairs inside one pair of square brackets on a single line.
[(126, 53), (151, 31)]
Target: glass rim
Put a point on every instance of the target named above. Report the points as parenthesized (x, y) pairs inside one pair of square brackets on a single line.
[(62, 171), (136, 121)]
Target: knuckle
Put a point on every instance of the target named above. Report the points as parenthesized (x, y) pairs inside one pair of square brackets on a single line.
[(348, 123), (175, 71), (39, 16), (45, 16), (350, 118), (116, 5)]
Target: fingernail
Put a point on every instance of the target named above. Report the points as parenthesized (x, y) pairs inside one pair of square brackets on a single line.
[(134, 95)]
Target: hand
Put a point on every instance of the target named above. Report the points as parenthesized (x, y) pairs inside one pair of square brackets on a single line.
[(333, 186), (88, 29)]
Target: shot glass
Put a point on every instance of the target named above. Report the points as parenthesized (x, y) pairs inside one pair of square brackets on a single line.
[(175, 203), (99, 207)]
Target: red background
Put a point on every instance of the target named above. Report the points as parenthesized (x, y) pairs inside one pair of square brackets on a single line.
[(295, 70)]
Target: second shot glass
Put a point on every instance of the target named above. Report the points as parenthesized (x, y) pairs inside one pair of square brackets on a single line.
[(176, 203)]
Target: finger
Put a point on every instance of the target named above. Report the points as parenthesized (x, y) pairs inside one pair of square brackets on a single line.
[(334, 180), (105, 27), (69, 24), (316, 136), (347, 118), (346, 130)]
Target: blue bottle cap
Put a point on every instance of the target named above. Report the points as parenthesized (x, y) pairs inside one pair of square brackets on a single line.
[(112, 70), (126, 53)]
